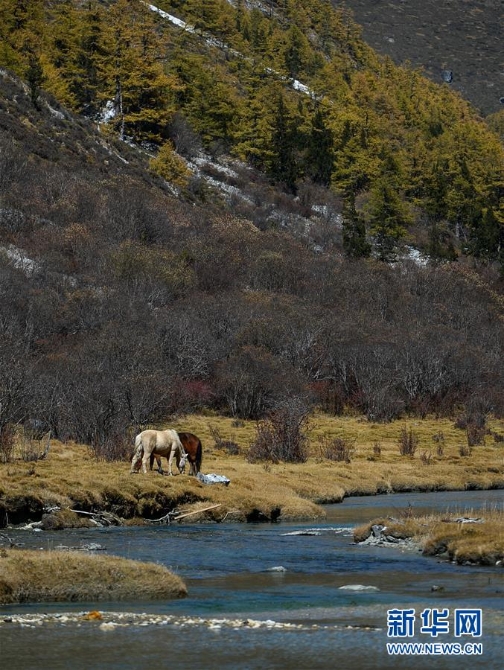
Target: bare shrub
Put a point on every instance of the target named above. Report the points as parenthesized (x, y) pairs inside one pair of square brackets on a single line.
[(498, 437), (469, 418), (282, 436), (114, 447), (465, 450), (475, 434), (377, 450), (426, 458), (7, 435), (337, 448), (33, 449), (408, 442), (231, 447), (439, 439)]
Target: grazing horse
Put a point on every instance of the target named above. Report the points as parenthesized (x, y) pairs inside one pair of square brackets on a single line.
[(158, 442), (194, 450)]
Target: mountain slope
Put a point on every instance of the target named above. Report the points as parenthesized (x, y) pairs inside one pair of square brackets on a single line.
[(464, 38), (131, 292)]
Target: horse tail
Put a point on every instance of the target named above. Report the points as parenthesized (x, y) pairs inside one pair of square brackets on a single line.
[(138, 453), (199, 456)]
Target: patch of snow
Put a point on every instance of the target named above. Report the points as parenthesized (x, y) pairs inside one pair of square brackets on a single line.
[(213, 41), (416, 256), (109, 112), (171, 18), (55, 112), (20, 260)]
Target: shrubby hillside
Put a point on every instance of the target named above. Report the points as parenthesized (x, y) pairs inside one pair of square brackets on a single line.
[(219, 206)]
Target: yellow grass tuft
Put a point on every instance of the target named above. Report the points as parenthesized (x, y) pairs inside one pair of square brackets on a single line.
[(475, 538), (55, 576)]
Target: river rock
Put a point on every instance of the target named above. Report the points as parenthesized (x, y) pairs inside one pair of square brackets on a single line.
[(213, 479), (358, 587)]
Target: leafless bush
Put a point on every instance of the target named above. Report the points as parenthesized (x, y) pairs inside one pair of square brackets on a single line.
[(498, 437), (33, 449), (115, 447), (7, 436), (408, 442), (477, 419), (337, 448), (439, 439), (282, 436), (231, 447), (377, 450), (426, 457), (475, 434), (187, 142)]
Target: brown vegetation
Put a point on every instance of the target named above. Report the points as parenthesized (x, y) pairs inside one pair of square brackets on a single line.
[(72, 478), (38, 576), (470, 539)]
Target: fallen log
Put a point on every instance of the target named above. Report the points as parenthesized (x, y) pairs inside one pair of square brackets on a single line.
[(197, 511), (175, 516)]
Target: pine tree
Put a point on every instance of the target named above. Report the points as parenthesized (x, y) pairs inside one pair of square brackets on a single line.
[(133, 71), (355, 243), (320, 152), (388, 218), (284, 167)]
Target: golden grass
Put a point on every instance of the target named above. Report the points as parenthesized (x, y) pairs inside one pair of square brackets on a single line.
[(70, 476), (480, 542), (55, 576)]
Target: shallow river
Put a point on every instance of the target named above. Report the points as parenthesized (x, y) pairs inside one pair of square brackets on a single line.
[(283, 579)]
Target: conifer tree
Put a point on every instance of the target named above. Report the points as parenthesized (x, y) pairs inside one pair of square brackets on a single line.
[(320, 153), (134, 74), (283, 165), (388, 217), (355, 243), (296, 52)]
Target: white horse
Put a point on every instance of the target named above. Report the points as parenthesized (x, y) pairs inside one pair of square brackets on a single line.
[(158, 442)]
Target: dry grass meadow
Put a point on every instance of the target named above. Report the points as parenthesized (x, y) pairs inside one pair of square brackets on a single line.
[(71, 478), (71, 488)]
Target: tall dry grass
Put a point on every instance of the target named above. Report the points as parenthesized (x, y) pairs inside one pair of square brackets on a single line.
[(475, 537), (55, 576)]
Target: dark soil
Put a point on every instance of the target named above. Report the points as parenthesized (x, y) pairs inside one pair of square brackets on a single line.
[(461, 36)]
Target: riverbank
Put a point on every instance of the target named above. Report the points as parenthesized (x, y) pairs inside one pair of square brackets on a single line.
[(476, 539), (71, 576), (71, 488)]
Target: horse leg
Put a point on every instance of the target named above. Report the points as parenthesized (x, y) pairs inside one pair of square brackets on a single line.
[(145, 460), (158, 461), (170, 459)]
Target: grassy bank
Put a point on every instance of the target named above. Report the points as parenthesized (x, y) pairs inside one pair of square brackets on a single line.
[(71, 478), (56, 576), (472, 539)]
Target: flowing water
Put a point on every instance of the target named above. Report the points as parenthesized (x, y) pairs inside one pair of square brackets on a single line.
[(284, 580)]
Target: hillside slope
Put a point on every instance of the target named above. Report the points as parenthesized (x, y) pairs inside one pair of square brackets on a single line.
[(131, 293), (438, 35)]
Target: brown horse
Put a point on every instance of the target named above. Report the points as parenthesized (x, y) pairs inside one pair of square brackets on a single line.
[(193, 449), (151, 443)]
